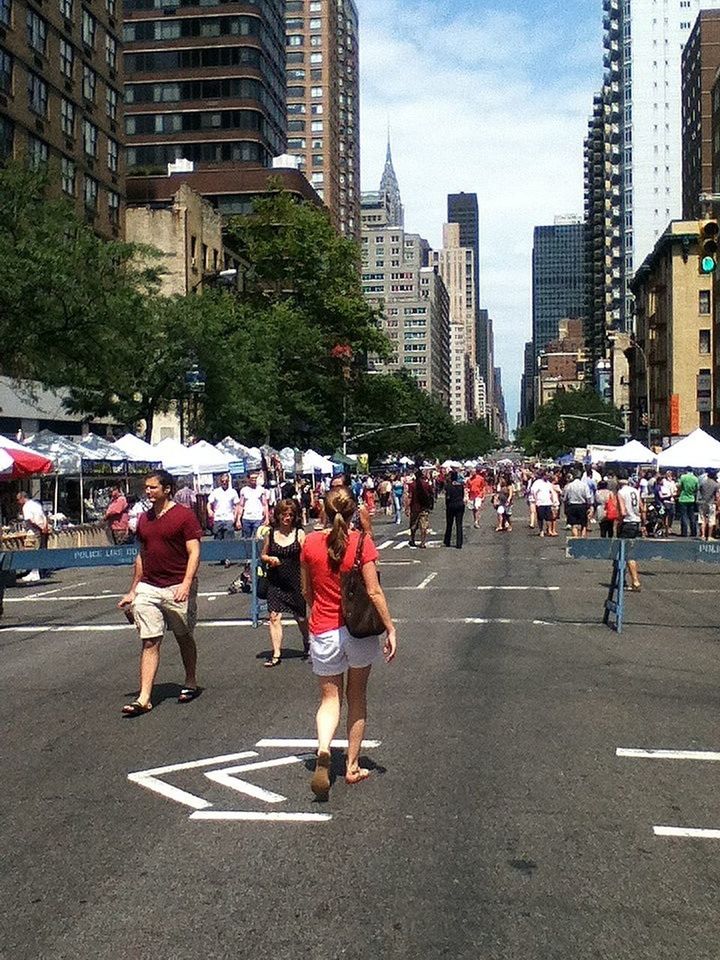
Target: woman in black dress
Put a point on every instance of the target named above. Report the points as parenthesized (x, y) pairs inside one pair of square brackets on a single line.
[(281, 555)]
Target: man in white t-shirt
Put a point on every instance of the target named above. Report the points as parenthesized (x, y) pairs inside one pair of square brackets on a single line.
[(253, 511), (632, 515), (35, 522), (544, 497), (223, 507)]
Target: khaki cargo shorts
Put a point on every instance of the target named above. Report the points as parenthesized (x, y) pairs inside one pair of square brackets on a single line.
[(155, 610)]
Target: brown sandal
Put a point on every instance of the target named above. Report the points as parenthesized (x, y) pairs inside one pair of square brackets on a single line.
[(136, 709), (320, 783)]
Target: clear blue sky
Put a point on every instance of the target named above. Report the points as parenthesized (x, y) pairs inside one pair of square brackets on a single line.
[(491, 98)]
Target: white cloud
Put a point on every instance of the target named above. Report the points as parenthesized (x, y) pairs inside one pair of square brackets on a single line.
[(494, 103)]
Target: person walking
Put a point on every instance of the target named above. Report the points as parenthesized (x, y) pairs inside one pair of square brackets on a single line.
[(708, 497), (607, 511), (503, 504), (36, 523), (578, 500), (281, 555), (543, 496), (666, 493), (419, 504), (398, 493), (253, 510), (116, 515), (476, 489), (688, 486), (163, 592), (454, 508), (632, 516), (223, 508), (341, 663)]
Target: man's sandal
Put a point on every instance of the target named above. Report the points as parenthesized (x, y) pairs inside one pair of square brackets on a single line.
[(136, 709), (188, 693)]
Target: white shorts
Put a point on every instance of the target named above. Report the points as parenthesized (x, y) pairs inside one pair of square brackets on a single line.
[(477, 503), (335, 651)]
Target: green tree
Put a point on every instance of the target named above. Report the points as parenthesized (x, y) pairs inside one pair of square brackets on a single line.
[(472, 440), (554, 431)]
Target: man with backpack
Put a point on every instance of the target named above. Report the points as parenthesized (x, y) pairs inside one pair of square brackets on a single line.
[(419, 505)]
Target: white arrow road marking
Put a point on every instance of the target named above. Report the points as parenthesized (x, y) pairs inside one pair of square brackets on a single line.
[(148, 779), (401, 545), (428, 580), (219, 815), (227, 777)]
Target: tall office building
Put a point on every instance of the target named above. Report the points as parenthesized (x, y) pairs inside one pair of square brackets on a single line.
[(61, 101), (644, 40), (462, 208), (559, 285), (700, 63), (398, 280), (205, 82), (457, 268), (390, 188), (323, 89)]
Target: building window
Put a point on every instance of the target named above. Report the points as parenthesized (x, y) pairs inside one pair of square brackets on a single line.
[(68, 176), (704, 342), (5, 12), (36, 31), (90, 193), (89, 83), (89, 28), (114, 207), (111, 102), (316, 58), (110, 7), (67, 58), (67, 117), (6, 72), (111, 51), (90, 138), (295, 40), (37, 94), (113, 153), (704, 303), (37, 152), (66, 9), (6, 137), (316, 126)]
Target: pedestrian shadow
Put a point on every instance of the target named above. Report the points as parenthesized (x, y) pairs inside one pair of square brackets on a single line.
[(162, 692), (287, 654)]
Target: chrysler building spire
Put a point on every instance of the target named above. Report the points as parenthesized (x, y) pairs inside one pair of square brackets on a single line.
[(390, 187)]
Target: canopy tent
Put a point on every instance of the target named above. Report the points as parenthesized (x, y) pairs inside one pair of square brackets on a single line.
[(697, 450), (451, 465), (137, 449), (65, 455), (344, 459), (601, 454), (102, 449), (175, 458), (633, 453), (238, 451), (287, 459), (17, 461), (208, 459), (315, 463)]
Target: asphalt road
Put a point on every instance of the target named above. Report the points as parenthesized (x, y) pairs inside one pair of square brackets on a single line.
[(499, 821)]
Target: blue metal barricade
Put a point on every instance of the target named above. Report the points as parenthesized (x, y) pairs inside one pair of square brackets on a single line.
[(122, 556)]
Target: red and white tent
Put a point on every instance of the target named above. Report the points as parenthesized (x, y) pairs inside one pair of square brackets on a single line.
[(17, 461)]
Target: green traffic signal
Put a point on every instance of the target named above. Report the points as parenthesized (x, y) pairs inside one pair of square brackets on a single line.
[(708, 265)]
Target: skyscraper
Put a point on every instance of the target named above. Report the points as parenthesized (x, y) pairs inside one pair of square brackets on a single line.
[(643, 45), (323, 89), (700, 63), (61, 101), (559, 279), (390, 188), (204, 84)]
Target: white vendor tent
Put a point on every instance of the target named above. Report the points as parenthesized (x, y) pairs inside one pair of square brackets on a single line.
[(697, 450), (238, 451), (287, 459), (634, 453), (96, 447), (602, 454), (137, 449), (66, 455), (208, 459), (315, 463), (176, 458)]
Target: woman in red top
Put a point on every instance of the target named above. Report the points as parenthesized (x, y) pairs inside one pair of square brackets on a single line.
[(325, 555)]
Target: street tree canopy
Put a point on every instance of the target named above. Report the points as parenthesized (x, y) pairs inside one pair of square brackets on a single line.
[(555, 431)]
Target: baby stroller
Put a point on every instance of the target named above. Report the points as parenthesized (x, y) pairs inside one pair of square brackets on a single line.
[(655, 519)]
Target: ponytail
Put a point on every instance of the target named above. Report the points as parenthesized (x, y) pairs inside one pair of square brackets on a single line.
[(337, 542)]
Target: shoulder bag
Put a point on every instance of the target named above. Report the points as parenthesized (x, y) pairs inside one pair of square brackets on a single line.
[(361, 616)]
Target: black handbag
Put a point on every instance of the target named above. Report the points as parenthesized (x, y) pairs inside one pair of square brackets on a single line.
[(361, 616)]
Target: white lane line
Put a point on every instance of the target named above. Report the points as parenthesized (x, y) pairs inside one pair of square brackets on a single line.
[(295, 744), (219, 815), (148, 779), (399, 563), (668, 754), (401, 546), (428, 580), (43, 598), (519, 588), (384, 546), (687, 832)]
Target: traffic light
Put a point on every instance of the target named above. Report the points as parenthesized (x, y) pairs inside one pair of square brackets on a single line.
[(708, 246)]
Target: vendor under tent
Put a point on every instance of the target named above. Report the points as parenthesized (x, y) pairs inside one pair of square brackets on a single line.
[(17, 461), (698, 450), (634, 454)]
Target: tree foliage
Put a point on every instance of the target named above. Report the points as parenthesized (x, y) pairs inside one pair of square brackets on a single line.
[(554, 432)]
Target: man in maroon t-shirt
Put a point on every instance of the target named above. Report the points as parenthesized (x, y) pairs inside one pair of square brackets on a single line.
[(163, 593)]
